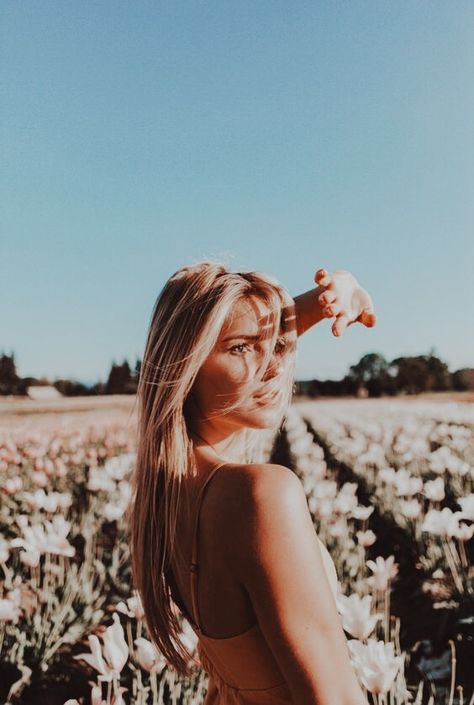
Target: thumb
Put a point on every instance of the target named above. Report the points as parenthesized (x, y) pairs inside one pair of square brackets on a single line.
[(368, 318)]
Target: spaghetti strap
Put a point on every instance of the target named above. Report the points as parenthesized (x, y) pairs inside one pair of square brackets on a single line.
[(194, 568)]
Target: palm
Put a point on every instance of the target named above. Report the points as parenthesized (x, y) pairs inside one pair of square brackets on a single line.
[(344, 298)]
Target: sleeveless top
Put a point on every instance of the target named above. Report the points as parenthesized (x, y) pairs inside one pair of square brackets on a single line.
[(242, 669)]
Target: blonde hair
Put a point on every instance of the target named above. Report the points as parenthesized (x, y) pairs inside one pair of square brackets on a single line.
[(185, 325)]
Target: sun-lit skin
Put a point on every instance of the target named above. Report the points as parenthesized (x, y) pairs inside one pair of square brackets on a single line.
[(231, 372), (339, 296), (231, 369)]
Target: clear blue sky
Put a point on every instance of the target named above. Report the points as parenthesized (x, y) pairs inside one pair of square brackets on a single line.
[(281, 136)]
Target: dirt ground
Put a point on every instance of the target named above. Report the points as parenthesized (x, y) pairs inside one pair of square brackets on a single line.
[(18, 413)]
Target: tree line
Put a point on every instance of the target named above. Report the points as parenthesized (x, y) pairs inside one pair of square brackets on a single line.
[(122, 379), (372, 376), (375, 376)]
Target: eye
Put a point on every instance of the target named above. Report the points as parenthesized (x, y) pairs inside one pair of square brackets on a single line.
[(239, 345), (281, 344)]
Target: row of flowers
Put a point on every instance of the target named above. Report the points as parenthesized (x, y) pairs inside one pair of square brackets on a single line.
[(64, 568), (378, 662), (414, 498)]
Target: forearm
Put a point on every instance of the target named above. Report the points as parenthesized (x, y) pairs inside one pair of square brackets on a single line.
[(308, 310)]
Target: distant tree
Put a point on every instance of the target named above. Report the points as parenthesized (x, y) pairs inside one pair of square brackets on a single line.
[(98, 388), (421, 373), (463, 379), (120, 380), (411, 374), (372, 373), (370, 366), (71, 388), (10, 382), (439, 377), (138, 367), (8, 373)]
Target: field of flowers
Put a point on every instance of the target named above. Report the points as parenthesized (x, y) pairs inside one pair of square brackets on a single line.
[(390, 488)]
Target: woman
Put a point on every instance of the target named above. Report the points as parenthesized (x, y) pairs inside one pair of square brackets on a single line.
[(214, 530)]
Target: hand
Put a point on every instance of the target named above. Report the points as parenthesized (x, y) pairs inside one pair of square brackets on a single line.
[(345, 299)]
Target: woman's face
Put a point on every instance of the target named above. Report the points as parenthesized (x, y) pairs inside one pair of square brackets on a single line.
[(231, 371)]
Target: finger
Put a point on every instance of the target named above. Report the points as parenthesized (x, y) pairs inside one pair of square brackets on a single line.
[(325, 280), (326, 297), (368, 318), (322, 277), (332, 310), (319, 275), (340, 325)]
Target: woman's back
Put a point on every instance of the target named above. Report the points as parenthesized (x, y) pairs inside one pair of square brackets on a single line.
[(232, 647)]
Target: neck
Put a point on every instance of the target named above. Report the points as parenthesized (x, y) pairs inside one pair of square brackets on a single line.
[(215, 446)]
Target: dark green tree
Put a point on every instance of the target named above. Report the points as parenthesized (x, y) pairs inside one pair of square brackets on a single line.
[(372, 372), (120, 379), (10, 382)]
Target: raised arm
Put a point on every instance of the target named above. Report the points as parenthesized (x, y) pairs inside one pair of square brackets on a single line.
[(278, 559), (338, 295)]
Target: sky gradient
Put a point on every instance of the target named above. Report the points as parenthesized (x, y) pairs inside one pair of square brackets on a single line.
[(281, 137)]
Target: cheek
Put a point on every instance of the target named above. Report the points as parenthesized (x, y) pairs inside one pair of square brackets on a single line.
[(223, 380)]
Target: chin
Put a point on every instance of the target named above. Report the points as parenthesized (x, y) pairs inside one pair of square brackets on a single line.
[(265, 418)]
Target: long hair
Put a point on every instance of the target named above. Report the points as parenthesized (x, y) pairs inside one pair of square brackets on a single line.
[(186, 321)]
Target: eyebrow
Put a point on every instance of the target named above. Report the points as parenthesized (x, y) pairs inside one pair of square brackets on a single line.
[(242, 335)]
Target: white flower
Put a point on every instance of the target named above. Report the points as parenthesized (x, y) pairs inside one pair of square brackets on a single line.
[(355, 613), (337, 528), (464, 532), (133, 608), (99, 479), (112, 512), (443, 523), (387, 475), (4, 551), (148, 656), (406, 485), (110, 660), (39, 478), (30, 558), (50, 501), (346, 500), (327, 489), (362, 512), (115, 647), (8, 612), (467, 504), (322, 508), (10, 606), (34, 500), (375, 664), (13, 485), (410, 508), (49, 537), (383, 570), (366, 538), (434, 489), (120, 466), (189, 637)]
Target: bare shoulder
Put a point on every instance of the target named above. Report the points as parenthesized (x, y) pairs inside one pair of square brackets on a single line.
[(256, 496), (275, 554), (256, 475), (255, 485)]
